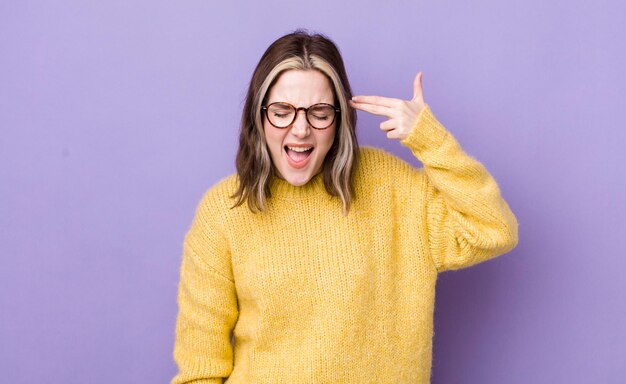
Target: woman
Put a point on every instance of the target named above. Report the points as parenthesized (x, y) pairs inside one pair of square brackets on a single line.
[(321, 257)]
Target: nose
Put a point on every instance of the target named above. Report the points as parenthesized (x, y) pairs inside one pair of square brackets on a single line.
[(300, 126)]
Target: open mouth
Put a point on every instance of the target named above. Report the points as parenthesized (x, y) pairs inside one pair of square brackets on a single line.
[(298, 154)]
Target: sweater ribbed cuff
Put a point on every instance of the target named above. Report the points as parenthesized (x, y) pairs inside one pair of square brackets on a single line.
[(427, 133)]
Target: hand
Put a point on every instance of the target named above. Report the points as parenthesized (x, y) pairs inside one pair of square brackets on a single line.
[(402, 114)]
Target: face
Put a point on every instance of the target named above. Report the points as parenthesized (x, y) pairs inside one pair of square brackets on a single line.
[(300, 88)]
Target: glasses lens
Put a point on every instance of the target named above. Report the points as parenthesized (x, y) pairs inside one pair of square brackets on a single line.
[(321, 116), (280, 115)]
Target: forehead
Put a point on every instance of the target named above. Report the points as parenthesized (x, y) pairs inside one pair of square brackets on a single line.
[(302, 88)]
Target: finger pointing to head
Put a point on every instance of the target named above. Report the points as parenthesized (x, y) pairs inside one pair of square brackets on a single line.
[(372, 108)]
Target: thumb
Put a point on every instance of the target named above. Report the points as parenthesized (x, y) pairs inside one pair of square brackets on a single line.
[(417, 88)]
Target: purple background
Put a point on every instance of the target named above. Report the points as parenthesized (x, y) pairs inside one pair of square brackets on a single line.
[(116, 116)]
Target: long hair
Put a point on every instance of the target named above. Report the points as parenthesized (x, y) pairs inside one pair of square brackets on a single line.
[(303, 51)]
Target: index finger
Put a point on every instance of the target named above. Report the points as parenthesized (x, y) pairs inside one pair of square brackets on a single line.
[(377, 100)]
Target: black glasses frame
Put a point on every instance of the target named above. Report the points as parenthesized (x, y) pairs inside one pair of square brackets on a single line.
[(306, 114)]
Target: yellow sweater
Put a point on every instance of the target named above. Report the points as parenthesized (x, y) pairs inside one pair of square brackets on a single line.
[(312, 296)]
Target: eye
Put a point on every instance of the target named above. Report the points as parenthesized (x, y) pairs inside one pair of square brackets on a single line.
[(321, 112)]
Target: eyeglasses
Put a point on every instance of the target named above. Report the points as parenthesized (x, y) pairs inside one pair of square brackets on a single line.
[(319, 116)]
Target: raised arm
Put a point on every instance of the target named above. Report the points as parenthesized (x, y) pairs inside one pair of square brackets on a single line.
[(467, 219), (207, 303)]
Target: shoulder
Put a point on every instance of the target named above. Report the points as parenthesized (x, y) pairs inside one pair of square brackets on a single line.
[(218, 198), (374, 160), (384, 177), (224, 188)]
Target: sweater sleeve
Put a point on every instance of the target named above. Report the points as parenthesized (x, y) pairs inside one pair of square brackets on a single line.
[(467, 220), (207, 303)]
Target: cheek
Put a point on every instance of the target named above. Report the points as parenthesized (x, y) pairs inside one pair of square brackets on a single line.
[(273, 136), (327, 137)]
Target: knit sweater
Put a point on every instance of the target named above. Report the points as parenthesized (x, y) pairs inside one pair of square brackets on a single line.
[(313, 296)]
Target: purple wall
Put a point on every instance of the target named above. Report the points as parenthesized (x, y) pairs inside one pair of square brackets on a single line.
[(116, 116)]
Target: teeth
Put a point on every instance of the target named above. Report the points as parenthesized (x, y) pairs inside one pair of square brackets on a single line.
[(299, 149)]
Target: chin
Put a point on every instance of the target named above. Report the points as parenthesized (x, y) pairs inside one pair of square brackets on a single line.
[(296, 179)]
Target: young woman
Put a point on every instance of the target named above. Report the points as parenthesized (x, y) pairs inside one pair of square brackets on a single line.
[(319, 258)]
